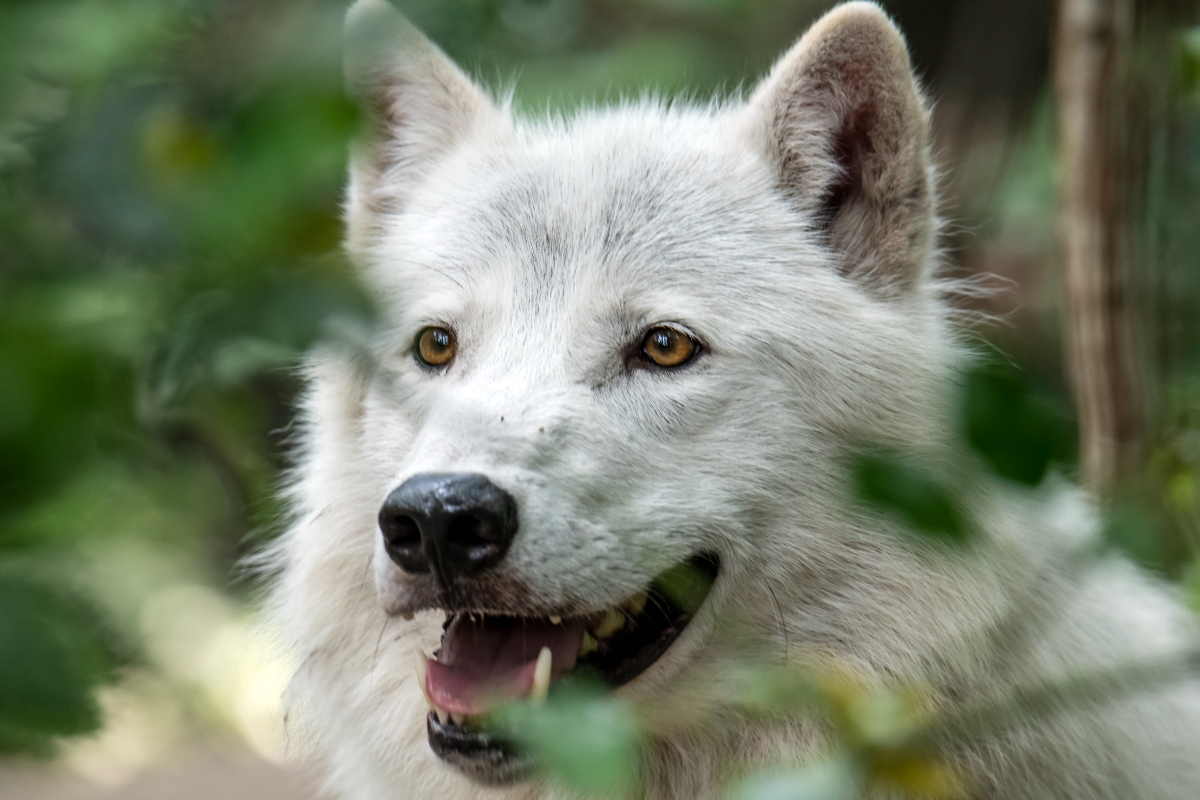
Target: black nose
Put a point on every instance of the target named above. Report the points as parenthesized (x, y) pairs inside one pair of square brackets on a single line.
[(457, 525)]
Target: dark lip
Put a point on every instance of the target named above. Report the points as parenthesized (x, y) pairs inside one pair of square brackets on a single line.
[(486, 758), (490, 759)]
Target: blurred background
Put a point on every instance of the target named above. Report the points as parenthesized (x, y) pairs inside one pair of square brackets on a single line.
[(170, 180)]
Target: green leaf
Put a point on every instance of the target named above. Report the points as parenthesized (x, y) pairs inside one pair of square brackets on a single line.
[(583, 737), (52, 658), (1131, 528), (891, 483), (1014, 428)]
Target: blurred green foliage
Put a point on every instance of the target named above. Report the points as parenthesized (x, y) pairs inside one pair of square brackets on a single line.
[(879, 736), (894, 482), (1017, 430), (585, 738), (170, 174), (63, 639)]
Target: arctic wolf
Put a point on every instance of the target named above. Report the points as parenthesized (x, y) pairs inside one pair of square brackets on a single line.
[(642, 342)]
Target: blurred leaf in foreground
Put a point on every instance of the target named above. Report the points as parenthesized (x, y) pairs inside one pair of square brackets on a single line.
[(51, 660), (1016, 430), (583, 737), (1132, 528), (835, 780), (1189, 63), (895, 484), (919, 777)]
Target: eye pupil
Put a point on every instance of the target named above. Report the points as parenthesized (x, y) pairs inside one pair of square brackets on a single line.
[(435, 346)]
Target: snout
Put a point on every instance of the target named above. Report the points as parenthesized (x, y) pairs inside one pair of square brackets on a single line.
[(455, 526)]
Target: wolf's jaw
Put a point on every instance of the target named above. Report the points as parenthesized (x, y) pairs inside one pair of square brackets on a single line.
[(487, 660)]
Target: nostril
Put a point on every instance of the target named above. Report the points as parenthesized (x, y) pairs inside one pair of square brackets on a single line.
[(402, 539), (478, 538), (400, 529), (469, 530)]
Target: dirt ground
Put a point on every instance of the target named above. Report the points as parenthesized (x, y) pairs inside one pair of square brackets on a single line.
[(196, 776)]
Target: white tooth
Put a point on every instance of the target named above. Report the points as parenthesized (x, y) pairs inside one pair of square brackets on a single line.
[(636, 604), (587, 645), (457, 718), (555, 619), (612, 622), (422, 664), (541, 677), (443, 716)]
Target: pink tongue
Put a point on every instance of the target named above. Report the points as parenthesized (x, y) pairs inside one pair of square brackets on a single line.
[(482, 663)]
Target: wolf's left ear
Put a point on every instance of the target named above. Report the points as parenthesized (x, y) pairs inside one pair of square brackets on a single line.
[(844, 121), (418, 106)]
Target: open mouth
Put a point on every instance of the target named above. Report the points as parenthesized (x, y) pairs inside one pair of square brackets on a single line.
[(486, 661)]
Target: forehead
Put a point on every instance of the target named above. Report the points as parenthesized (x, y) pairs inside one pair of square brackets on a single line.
[(634, 201)]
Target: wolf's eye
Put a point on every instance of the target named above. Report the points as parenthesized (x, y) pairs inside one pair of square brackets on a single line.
[(435, 347), (668, 347)]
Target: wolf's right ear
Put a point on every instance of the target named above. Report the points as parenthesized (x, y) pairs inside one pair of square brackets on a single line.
[(418, 106), (843, 120)]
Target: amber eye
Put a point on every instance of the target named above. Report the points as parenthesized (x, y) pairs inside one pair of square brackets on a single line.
[(668, 347), (435, 347)]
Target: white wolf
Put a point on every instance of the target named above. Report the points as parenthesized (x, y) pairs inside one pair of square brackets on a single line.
[(650, 335)]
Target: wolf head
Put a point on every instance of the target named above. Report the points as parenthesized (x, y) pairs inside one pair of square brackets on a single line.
[(617, 348)]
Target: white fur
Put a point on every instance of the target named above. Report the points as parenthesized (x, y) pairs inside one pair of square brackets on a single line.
[(548, 246)]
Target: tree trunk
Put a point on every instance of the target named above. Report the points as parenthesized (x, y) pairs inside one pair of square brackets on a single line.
[(1092, 48)]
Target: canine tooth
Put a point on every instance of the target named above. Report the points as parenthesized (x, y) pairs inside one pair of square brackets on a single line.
[(636, 604), (443, 716), (541, 677), (587, 645), (555, 619), (422, 664), (457, 718), (612, 622)]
